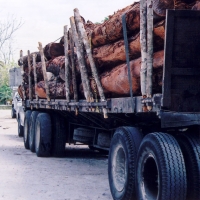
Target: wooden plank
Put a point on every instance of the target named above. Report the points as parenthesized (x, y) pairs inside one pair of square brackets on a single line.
[(66, 64), (44, 70), (29, 77), (73, 66), (85, 40), (80, 56)]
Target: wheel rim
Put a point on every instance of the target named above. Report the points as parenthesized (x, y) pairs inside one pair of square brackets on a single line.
[(119, 169), (150, 178), (37, 136)]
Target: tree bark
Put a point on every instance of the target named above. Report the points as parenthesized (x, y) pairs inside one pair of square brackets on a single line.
[(83, 70), (111, 55), (53, 50), (44, 71), (160, 6), (67, 77), (115, 82), (29, 77), (111, 30)]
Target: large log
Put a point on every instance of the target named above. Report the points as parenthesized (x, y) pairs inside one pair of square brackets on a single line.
[(115, 82), (160, 6), (111, 30), (56, 90), (113, 54), (25, 59), (53, 50)]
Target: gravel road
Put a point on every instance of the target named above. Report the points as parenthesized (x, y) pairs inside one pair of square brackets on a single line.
[(81, 175)]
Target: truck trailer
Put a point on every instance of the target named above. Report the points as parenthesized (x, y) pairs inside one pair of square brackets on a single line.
[(153, 142)]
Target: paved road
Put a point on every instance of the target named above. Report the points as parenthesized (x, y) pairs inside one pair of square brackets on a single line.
[(81, 175)]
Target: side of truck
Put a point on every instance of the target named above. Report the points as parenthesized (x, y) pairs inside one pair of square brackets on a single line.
[(153, 143)]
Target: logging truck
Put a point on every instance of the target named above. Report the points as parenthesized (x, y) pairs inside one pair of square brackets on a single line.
[(153, 141)]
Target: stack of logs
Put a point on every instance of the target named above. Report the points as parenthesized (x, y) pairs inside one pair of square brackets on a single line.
[(108, 52)]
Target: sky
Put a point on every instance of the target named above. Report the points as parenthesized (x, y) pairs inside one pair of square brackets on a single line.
[(43, 20)]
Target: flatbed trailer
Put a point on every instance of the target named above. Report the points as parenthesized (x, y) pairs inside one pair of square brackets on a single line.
[(153, 143)]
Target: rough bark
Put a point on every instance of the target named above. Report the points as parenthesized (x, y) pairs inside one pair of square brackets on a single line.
[(160, 6), (71, 54), (53, 50), (111, 55), (29, 77), (35, 74), (115, 82), (111, 30), (25, 59), (196, 6), (44, 72), (56, 90), (80, 56)]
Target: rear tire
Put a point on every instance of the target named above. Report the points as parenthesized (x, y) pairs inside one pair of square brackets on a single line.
[(13, 113), (20, 128), (43, 135), (161, 170), (27, 128), (33, 118), (190, 146), (59, 135), (122, 163)]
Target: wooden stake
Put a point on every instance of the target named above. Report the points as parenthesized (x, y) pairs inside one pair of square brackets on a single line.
[(143, 42), (44, 70), (83, 70), (66, 64), (29, 77), (149, 47), (73, 66), (22, 73), (86, 43), (35, 74)]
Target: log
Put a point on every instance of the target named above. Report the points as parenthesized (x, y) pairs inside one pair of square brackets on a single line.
[(160, 6), (111, 30), (115, 82), (25, 59), (196, 6), (111, 55), (53, 50), (44, 70), (56, 90)]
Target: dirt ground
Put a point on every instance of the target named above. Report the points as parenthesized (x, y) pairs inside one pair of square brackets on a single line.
[(81, 175)]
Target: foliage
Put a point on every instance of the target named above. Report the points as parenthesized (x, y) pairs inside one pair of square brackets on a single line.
[(102, 21), (5, 93)]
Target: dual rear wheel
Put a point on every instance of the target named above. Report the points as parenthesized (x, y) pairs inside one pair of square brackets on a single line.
[(157, 167), (44, 134)]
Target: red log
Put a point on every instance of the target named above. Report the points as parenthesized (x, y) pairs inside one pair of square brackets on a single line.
[(53, 50), (111, 55), (160, 6), (56, 90), (111, 30)]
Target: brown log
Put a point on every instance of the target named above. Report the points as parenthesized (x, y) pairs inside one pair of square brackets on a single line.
[(160, 6), (56, 90), (111, 30), (53, 50), (196, 6), (115, 83), (25, 59), (111, 55)]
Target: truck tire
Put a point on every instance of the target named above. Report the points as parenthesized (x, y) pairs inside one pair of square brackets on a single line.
[(13, 113), (20, 128), (161, 172), (43, 135), (122, 162), (104, 140), (83, 135), (190, 146), (59, 135), (33, 117), (27, 128)]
